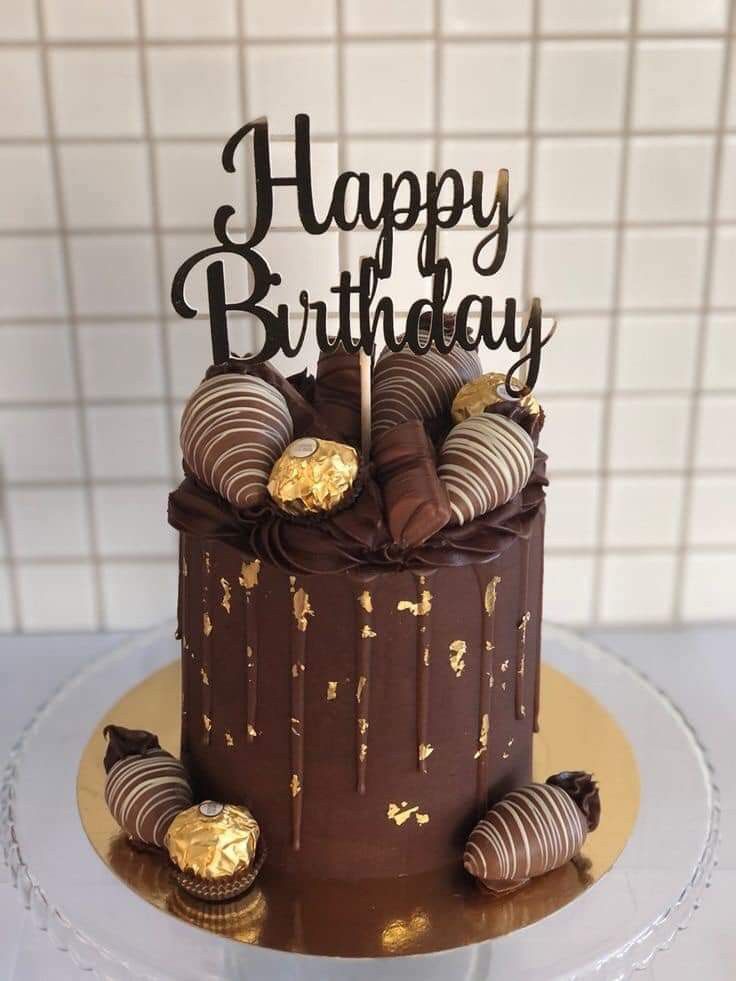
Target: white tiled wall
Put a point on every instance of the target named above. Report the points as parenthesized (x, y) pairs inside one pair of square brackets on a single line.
[(617, 120)]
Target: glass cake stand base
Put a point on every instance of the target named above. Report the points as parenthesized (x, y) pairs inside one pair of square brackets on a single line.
[(607, 931)]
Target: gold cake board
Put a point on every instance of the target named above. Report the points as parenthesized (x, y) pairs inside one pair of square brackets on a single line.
[(370, 918)]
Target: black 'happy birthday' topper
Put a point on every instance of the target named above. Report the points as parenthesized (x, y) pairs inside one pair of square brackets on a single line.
[(389, 218)]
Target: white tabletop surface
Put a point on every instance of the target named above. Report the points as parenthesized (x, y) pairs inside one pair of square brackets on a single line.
[(695, 666)]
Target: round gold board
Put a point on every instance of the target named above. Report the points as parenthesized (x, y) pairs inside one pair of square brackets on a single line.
[(411, 915)]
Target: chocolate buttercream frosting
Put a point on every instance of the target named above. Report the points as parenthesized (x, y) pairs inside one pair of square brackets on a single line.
[(414, 498), (122, 742), (584, 791)]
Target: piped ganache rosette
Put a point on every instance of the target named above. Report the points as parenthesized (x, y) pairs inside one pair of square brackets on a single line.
[(360, 667)]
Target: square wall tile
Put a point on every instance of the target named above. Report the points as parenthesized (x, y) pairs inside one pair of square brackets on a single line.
[(373, 75), (284, 81), (304, 262), (138, 594), (459, 246), (192, 185), (581, 16), (18, 21), (172, 19), (572, 434), (22, 109), (293, 18), (577, 180), (573, 270), (724, 281), (580, 85), (114, 274), (568, 588), (465, 105), (47, 349), (488, 156), (708, 592), (715, 446), (711, 515), (132, 520), (96, 92), (194, 90), (648, 433), (727, 195), (7, 618), (665, 15), (574, 360), (392, 156), (40, 444), (676, 84), (105, 185), (121, 361), (33, 277), (27, 197), (637, 588), (49, 522), (669, 178), (128, 441), (57, 597), (643, 511), (77, 20), (663, 269), (190, 353), (572, 512), (720, 352), (656, 352), (484, 16)]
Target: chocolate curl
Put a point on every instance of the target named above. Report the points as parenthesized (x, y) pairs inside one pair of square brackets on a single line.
[(337, 393), (415, 501), (122, 742), (584, 791)]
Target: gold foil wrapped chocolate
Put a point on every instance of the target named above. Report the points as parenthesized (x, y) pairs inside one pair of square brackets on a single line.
[(215, 848), (313, 476), (482, 393)]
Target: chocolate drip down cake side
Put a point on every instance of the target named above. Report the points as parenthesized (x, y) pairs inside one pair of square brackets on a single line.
[(360, 636)]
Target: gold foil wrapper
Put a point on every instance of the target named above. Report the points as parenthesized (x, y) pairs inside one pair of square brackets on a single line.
[(481, 393), (213, 840), (313, 476)]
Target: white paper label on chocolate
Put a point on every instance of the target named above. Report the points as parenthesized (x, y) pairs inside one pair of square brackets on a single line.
[(302, 448), (210, 808)]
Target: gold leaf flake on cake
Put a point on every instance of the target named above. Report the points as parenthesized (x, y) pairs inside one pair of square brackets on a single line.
[(362, 752), (363, 726), (366, 633), (401, 813), (362, 682), (296, 726), (366, 601), (505, 665), (399, 936), (205, 676), (504, 756), (207, 723), (418, 609), (249, 574), (422, 818), (251, 730), (206, 624), (425, 751), (458, 650), (229, 741), (523, 624), (483, 736), (295, 785), (331, 691), (489, 647), (425, 657), (292, 583), (249, 655), (296, 669), (225, 602), (302, 609), (184, 566), (207, 561), (489, 597)]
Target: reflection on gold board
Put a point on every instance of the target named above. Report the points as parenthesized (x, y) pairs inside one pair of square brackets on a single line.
[(411, 915)]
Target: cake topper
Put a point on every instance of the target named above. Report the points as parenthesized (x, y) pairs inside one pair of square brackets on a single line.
[(441, 200)]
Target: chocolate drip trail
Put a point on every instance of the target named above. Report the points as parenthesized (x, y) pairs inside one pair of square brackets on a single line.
[(488, 588), (301, 611), (206, 660), (538, 649), (365, 633), (248, 580), (424, 653), (524, 617), (183, 633)]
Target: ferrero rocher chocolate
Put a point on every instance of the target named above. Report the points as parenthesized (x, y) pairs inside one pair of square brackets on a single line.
[(485, 392), (313, 476), (215, 848)]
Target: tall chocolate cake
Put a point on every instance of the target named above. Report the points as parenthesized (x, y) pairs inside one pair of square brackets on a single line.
[(360, 631)]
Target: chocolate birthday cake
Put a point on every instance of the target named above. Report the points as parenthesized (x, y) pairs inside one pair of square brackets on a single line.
[(360, 631)]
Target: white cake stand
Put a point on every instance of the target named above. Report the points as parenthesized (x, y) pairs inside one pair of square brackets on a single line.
[(613, 928)]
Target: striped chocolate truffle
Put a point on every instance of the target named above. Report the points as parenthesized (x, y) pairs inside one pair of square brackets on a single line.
[(233, 429), (529, 832), (484, 462), (145, 790)]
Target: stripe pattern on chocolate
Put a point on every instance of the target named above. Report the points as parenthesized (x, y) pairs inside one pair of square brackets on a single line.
[(529, 832), (233, 429), (145, 793), (410, 386), (484, 462)]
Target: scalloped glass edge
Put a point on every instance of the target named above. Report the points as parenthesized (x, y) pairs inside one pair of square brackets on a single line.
[(635, 955)]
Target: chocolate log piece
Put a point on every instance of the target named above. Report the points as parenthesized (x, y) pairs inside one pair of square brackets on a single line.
[(584, 791), (415, 501), (122, 742), (337, 393)]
